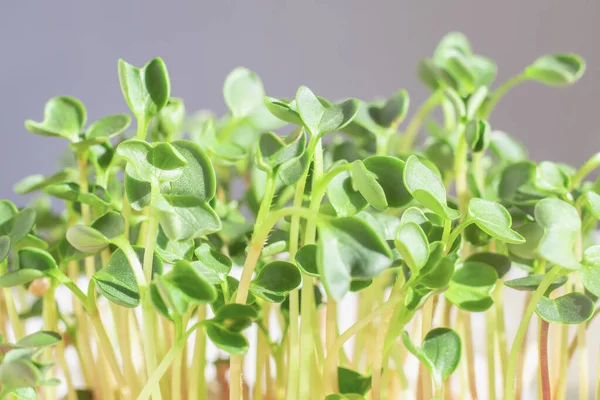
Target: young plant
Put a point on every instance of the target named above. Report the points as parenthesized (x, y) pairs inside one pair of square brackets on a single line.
[(177, 243)]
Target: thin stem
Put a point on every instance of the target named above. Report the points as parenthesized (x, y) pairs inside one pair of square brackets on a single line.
[(521, 358), (142, 128), (544, 327), (490, 316), (499, 93), (412, 129), (461, 171), (198, 380), (509, 393), (456, 232), (382, 330), (50, 318), (591, 164), (469, 355), (500, 328), (261, 355), (176, 370)]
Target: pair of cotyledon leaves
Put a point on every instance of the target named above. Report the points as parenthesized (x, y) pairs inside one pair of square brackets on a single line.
[(20, 369)]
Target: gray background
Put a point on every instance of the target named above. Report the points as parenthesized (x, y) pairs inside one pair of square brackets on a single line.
[(338, 48)]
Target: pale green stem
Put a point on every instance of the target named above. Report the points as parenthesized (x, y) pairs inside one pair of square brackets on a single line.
[(511, 369), (591, 164), (499, 94), (412, 129), (491, 354)]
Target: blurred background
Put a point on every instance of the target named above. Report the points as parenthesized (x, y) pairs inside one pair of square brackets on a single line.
[(339, 48)]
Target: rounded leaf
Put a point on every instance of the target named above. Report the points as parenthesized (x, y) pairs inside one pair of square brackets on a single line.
[(229, 341), (572, 308), (471, 286), (557, 69), (368, 186), (166, 157), (344, 198), (108, 127), (20, 277), (532, 282), (493, 219), (117, 282), (412, 245), (40, 339), (86, 239), (243, 92), (277, 277), (64, 116), (306, 259), (388, 172)]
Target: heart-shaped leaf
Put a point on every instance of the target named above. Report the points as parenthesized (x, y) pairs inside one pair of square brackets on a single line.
[(499, 262), (471, 286), (64, 116), (388, 172), (273, 151), (306, 259), (165, 157), (40, 339), (211, 265), (440, 352), (556, 69), (351, 382), (276, 277), (117, 282), (392, 112), (514, 177), (229, 341), (550, 178), (108, 127), (368, 186), (427, 188), (561, 224), (531, 282), (412, 245), (147, 89), (320, 119), (243, 92), (572, 308), (348, 249), (344, 198), (493, 219)]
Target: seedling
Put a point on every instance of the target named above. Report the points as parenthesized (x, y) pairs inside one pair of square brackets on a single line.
[(197, 229)]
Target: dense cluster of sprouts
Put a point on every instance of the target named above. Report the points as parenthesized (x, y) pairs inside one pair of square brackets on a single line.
[(201, 229)]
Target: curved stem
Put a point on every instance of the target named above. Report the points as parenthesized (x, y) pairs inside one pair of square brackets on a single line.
[(591, 164), (509, 393), (499, 93), (412, 129), (456, 232), (544, 327)]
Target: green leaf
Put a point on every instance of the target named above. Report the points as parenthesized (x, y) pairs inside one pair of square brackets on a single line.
[(561, 225), (283, 110), (18, 374), (344, 198), (33, 183), (171, 118), (388, 172), (243, 92), (506, 147), (4, 247), (368, 186), (198, 176), (471, 286), (477, 134), (475, 101), (165, 157), (37, 259), (320, 119), (108, 127), (592, 200), (348, 249), (351, 382), (22, 223), (306, 259), (532, 233), (40, 339), (95, 196), (273, 151), (499, 262), (531, 282), (438, 271), (493, 219), (572, 308), (147, 89), (412, 245), (393, 111), (276, 277), (427, 188), (86, 239), (235, 317), (550, 178), (110, 225), (514, 177), (559, 69), (590, 271), (64, 116), (440, 352), (212, 265), (188, 218), (225, 339), (20, 277), (116, 281)]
